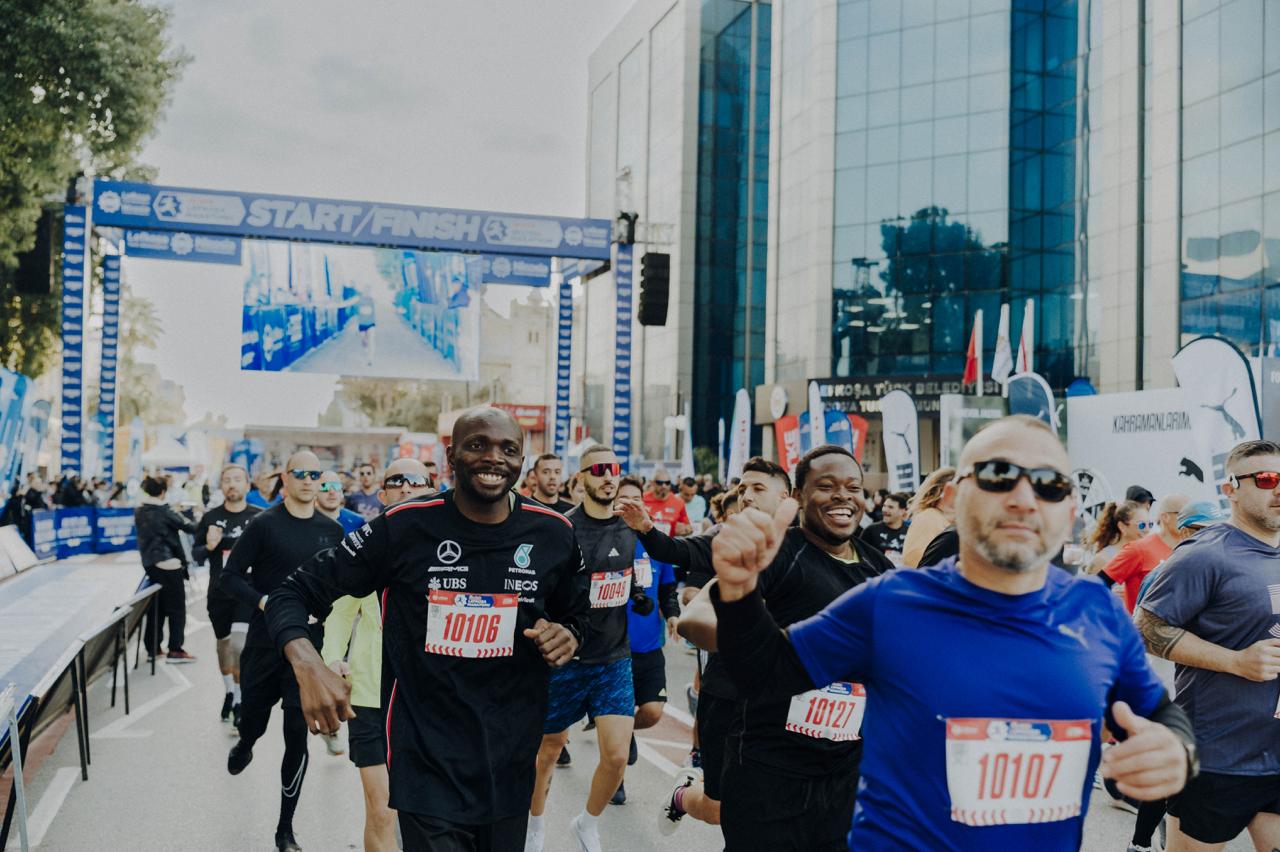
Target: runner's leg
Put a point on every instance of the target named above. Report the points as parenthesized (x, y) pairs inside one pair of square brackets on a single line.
[(1179, 842), (614, 734), (293, 767), (546, 767), (379, 818), (1149, 816), (1265, 831)]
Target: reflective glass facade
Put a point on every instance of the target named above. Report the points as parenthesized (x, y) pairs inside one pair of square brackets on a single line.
[(732, 207), (1230, 282), (955, 162)]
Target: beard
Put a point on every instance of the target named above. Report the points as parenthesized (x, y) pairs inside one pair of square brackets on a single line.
[(1016, 557), (596, 495)]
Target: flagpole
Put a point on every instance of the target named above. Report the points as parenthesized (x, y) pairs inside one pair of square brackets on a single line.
[(977, 349)]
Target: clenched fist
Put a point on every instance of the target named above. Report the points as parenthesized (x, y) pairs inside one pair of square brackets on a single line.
[(746, 545)]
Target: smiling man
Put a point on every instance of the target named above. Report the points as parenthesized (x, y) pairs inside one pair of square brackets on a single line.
[(987, 679), (481, 591)]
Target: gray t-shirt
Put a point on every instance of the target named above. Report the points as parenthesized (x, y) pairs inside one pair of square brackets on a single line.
[(1223, 585)]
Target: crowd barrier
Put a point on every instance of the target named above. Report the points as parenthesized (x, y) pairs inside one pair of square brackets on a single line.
[(274, 336), (59, 533), (65, 688)]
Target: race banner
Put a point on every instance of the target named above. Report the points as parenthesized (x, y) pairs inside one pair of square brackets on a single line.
[(1219, 394), (960, 419), (817, 417), (622, 358), (15, 390), (142, 206), (526, 271), (74, 304), (901, 440), (858, 428), (739, 435), (786, 437), (184, 246), (564, 353), (108, 362), (1030, 394)]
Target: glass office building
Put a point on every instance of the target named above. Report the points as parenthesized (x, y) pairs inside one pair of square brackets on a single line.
[(1230, 169), (732, 206), (955, 182)]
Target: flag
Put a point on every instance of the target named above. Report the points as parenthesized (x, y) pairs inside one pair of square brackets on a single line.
[(739, 434), (1221, 399), (1027, 341), (686, 449), (817, 417), (973, 359), (900, 421), (1002, 364)]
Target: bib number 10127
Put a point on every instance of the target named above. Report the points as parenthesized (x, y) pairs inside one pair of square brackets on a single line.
[(831, 713)]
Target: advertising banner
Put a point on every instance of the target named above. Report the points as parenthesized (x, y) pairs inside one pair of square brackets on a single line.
[(739, 435), (858, 430), (1219, 394), (526, 271), (1030, 394), (15, 404), (360, 312), (961, 418), (114, 530), (564, 355), (863, 395), (75, 303), (108, 362), (1141, 438), (74, 531), (901, 440), (786, 437), (142, 206), (817, 417), (44, 533), (181, 245), (622, 358), (1271, 399)]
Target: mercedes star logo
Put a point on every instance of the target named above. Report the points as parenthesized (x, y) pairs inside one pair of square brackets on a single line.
[(448, 552)]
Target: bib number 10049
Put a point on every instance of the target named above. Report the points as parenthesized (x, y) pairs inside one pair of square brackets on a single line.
[(467, 625), (1011, 771)]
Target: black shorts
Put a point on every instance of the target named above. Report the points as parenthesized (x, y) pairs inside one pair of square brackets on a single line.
[(1215, 808), (225, 611), (649, 676), (367, 736), (763, 809), (429, 834), (265, 678), (715, 715)]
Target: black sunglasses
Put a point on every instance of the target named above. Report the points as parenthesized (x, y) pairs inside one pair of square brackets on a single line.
[(313, 475), (1000, 477), (400, 480), (662, 482)]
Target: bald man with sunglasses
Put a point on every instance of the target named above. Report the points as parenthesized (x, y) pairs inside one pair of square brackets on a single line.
[(988, 678)]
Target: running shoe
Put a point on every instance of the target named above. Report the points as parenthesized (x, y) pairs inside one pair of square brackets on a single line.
[(634, 754), (285, 842), (564, 759), (694, 760), (619, 795), (1119, 800), (235, 717), (180, 657), (226, 707), (588, 838), (334, 743), (151, 657), (239, 757), (671, 814)]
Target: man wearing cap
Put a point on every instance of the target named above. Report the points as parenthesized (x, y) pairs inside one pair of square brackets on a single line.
[(1137, 559)]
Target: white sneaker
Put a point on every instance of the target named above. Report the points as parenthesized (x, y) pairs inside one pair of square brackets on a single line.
[(588, 838), (334, 743)]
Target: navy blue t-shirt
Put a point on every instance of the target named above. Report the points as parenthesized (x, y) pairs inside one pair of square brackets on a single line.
[(1223, 585), (929, 646)]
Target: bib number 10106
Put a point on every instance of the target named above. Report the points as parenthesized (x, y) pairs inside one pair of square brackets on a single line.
[(460, 624)]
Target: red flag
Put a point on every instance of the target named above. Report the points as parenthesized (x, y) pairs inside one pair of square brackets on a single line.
[(971, 360)]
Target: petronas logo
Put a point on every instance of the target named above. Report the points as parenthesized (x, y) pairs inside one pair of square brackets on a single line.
[(522, 555)]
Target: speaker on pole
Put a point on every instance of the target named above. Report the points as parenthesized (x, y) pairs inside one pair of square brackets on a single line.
[(35, 271), (655, 288)]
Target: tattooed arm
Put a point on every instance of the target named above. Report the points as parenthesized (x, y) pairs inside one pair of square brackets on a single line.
[(1258, 662)]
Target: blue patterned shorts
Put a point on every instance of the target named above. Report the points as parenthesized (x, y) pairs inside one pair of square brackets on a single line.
[(582, 689)]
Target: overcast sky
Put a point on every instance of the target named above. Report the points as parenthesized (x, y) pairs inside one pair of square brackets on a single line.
[(450, 103)]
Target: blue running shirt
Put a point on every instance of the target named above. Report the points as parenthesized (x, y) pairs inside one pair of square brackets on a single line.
[(648, 632), (929, 646)]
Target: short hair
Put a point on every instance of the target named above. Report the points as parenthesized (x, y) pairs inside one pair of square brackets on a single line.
[(1018, 420), (593, 449), (902, 498), (1249, 449), (689, 480), (632, 480), (154, 486), (807, 460), (367, 464), (545, 457), (930, 493), (1138, 494), (760, 464), (230, 467)]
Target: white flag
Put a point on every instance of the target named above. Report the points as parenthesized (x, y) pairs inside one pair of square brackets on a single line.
[(817, 417), (739, 434), (1027, 341), (1002, 365)]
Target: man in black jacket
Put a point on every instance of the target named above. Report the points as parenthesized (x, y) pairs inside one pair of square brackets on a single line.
[(481, 590), (276, 542), (165, 562)]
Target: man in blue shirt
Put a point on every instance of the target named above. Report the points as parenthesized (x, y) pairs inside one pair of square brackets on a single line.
[(987, 679), (1214, 610)]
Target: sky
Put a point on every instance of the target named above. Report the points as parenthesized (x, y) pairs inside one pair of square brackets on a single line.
[(443, 103)]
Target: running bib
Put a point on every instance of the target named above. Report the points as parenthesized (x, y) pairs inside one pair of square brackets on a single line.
[(1015, 771), (644, 572), (610, 588), (831, 713), (460, 624)]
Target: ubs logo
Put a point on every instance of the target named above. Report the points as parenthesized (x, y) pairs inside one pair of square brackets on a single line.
[(448, 552)]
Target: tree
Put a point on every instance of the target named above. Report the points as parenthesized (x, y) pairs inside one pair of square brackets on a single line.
[(142, 392), (413, 405), (82, 85)]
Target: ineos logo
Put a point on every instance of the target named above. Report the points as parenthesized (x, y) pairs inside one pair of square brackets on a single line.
[(448, 552)]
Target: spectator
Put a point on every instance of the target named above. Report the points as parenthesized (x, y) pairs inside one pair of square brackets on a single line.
[(1118, 525), (666, 509), (165, 562), (695, 505), (931, 512)]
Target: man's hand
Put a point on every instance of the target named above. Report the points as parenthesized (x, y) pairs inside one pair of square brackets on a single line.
[(745, 546), (326, 697), (212, 536), (684, 529), (1151, 764), (556, 644), (1260, 661), (341, 669), (633, 514), (672, 623)]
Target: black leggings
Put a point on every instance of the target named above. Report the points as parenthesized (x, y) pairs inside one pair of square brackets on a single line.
[(293, 768), (172, 605), (1149, 816)]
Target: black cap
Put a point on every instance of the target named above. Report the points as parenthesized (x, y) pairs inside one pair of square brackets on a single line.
[(1138, 494)]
